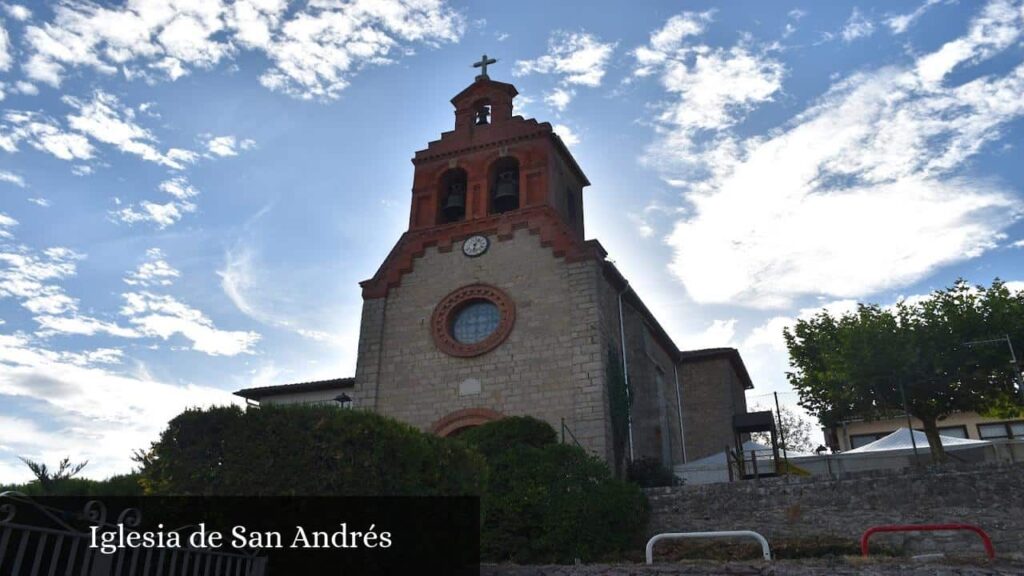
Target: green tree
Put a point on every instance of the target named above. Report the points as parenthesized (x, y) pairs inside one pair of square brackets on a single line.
[(549, 502), (862, 364), (795, 434), (304, 451)]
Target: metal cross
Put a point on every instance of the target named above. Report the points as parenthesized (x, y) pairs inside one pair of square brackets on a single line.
[(482, 64)]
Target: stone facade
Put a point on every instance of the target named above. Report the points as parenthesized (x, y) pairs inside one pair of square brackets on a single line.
[(550, 366), (564, 352), (789, 508)]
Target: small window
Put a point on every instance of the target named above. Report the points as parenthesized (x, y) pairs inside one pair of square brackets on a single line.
[(1001, 430), (571, 208), (475, 322), (953, 431), (858, 440)]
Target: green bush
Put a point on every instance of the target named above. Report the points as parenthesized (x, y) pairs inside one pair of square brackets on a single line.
[(304, 450), (548, 502), (650, 473), (513, 431)]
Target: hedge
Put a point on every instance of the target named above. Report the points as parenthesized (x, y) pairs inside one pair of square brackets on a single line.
[(304, 450)]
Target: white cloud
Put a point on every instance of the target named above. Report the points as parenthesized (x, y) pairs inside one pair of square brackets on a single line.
[(26, 88), (18, 12), (5, 49), (239, 280), (566, 134), (41, 202), (162, 215), (228, 145), (713, 87), (313, 50), (155, 271), (44, 134), (95, 413), (77, 324), (33, 279), (860, 192), (899, 23), (1018, 244), (559, 98), (12, 178), (168, 36), (179, 188), (163, 316), (997, 28), (857, 26), (718, 334), (578, 57), (668, 41), (106, 120), (318, 49)]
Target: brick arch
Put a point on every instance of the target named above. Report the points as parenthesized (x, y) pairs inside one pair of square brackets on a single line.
[(464, 418)]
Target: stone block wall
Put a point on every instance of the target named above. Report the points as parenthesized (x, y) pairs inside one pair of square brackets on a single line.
[(990, 496), (551, 366)]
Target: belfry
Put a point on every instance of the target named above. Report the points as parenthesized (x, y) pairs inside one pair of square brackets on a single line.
[(493, 303)]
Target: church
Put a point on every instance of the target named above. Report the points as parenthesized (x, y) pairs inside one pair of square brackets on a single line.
[(493, 303)]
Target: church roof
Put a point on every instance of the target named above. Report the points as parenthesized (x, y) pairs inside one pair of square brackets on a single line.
[(732, 354), (681, 357), (316, 386)]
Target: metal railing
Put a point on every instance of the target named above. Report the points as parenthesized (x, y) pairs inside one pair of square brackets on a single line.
[(985, 540), (571, 435), (29, 549), (766, 551)]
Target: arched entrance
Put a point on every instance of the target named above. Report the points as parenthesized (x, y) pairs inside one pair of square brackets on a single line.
[(461, 420)]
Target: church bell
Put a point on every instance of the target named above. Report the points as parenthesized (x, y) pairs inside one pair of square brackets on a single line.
[(506, 193), (455, 203)]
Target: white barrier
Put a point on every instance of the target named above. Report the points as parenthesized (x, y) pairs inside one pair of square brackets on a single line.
[(725, 534)]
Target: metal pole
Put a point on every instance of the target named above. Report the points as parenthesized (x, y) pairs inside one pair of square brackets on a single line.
[(1016, 368), (679, 405), (625, 374), (910, 427), (782, 430)]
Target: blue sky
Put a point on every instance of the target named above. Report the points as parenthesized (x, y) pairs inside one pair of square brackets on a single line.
[(191, 190)]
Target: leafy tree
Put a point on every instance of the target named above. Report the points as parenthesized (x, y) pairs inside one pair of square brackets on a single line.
[(862, 364), (51, 482), (549, 502), (304, 451), (512, 432), (795, 435)]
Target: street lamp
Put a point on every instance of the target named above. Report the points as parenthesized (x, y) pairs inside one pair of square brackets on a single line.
[(1013, 359), (344, 400)]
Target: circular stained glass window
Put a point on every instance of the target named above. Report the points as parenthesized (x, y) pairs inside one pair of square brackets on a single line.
[(472, 320), (475, 321)]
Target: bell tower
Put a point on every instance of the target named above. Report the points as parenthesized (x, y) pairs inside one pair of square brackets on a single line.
[(488, 305), (494, 163)]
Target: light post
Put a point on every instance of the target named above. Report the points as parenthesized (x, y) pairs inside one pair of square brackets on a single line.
[(1013, 359)]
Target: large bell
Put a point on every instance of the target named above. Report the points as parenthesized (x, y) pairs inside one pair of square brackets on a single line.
[(506, 192), (455, 204), (483, 116)]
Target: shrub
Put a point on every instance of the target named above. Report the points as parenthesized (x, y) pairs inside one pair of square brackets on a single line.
[(649, 473), (304, 450), (498, 437), (548, 502)]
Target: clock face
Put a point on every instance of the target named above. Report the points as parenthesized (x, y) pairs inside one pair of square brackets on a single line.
[(475, 245)]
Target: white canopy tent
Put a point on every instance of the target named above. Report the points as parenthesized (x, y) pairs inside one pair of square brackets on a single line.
[(900, 441), (715, 468)]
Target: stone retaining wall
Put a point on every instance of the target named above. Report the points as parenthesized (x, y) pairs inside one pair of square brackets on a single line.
[(838, 566), (990, 496)]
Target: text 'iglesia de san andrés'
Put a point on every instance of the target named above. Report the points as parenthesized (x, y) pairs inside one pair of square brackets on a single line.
[(494, 304)]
